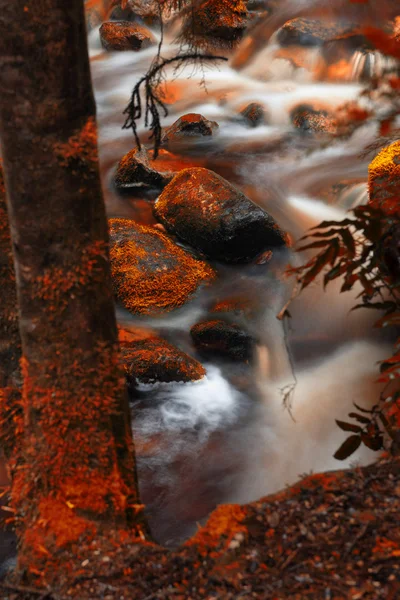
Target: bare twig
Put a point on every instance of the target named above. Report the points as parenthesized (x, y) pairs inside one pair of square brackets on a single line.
[(153, 102)]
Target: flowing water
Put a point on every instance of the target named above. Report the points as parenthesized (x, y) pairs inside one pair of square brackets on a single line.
[(228, 438), (213, 441)]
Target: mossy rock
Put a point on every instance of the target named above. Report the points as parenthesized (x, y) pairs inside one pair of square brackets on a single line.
[(124, 35), (384, 177), (154, 360), (150, 273)]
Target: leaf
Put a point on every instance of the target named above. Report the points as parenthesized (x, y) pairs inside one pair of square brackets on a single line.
[(326, 224), (364, 410), (321, 244), (348, 447), (334, 273), (349, 281), (348, 426), (387, 426), (392, 319), (373, 443), (320, 262), (360, 418), (348, 241), (389, 306)]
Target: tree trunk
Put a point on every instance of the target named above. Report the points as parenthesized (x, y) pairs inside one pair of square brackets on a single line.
[(78, 476), (10, 344)]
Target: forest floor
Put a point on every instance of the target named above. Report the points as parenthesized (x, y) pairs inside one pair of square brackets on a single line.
[(331, 536)]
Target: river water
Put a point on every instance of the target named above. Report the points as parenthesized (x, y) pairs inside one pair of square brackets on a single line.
[(210, 442)]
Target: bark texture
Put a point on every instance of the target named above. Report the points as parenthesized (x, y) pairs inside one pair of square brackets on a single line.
[(10, 345), (79, 473)]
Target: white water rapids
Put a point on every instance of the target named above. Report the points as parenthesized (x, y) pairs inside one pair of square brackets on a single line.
[(206, 443)]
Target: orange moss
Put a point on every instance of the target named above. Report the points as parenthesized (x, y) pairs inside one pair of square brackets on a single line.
[(150, 273), (223, 525), (154, 359), (71, 465), (57, 284), (80, 147), (384, 178), (57, 519)]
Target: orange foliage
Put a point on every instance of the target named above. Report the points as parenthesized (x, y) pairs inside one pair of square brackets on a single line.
[(383, 179)]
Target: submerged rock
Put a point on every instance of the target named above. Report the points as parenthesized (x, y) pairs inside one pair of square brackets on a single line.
[(218, 337), (209, 213), (190, 125), (136, 175), (254, 114), (124, 35), (150, 273), (311, 120), (154, 360)]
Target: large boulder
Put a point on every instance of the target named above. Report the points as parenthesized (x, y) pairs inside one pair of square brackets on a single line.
[(136, 175), (124, 35), (190, 125), (206, 211), (154, 360), (150, 273), (220, 338)]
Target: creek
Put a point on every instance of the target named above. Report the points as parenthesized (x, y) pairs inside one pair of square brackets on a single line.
[(221, 440)]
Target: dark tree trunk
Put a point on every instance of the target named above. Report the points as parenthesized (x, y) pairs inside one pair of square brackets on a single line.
[(79, 471), (10, 344)]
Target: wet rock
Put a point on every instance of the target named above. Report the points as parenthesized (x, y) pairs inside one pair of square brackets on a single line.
[(254, 114), (222, 22), (155, 360), (190, 125), (142, 11), (209, 213), (311, 120), (150, 273), (218, 337), (313, 32), (306, 32), (136, 175), (124, 35)]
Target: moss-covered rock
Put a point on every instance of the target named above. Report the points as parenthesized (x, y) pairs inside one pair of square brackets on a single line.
[(150, 273), (124, 35), (384, 177), (206, 211), (154, 360)]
